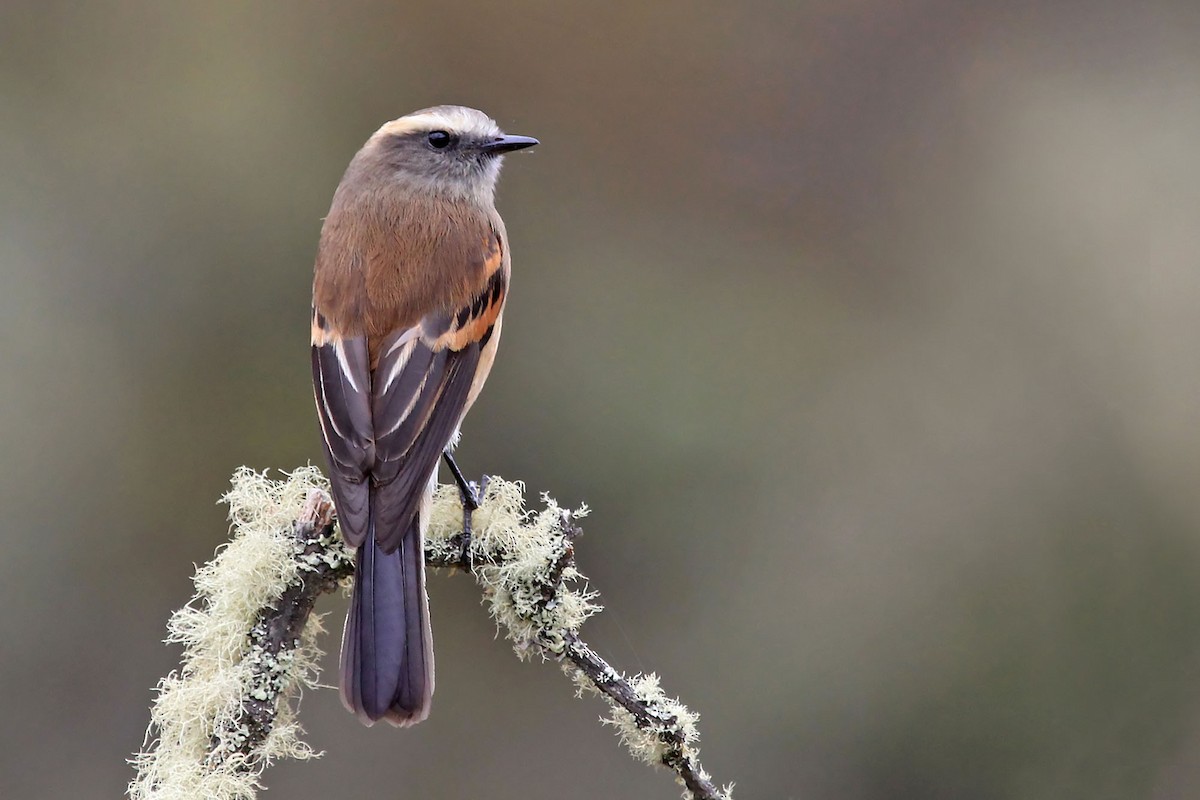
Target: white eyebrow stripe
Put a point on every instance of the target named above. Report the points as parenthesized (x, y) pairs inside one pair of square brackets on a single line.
[(456, 120), (419, 122)]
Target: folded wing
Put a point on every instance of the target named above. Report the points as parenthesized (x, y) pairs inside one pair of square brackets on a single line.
[(385, 428)]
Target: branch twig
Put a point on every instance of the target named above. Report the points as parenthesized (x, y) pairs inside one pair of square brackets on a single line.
[(230, 710), (678, 752)]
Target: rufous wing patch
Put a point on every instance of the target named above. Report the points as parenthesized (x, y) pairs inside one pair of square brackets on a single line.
[(322, 331), (475, 321)]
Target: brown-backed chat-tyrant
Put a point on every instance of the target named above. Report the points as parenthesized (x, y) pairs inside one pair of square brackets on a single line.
[(408, 293)]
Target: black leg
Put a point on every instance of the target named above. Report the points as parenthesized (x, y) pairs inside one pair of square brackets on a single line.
[(470, 498), (471, 495)]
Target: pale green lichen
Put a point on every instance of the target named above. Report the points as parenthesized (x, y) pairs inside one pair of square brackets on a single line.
[(220, 665), (647, 744), (520, 559), (670, 738)]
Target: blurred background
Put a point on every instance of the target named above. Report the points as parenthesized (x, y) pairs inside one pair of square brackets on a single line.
[(869, 330)]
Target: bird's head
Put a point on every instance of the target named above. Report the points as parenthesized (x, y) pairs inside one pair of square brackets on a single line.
[(452, 151)]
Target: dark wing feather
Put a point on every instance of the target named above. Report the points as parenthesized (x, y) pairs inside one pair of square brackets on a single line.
[(341, 383), (416, 419), (422, 386)]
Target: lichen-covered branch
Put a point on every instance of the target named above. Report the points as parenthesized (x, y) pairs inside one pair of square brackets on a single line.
[(527, 570), (249, 645), (655, 727), (278, 633), (249, 634)]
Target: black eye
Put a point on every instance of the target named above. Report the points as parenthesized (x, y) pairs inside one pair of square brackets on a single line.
[(440, 140)]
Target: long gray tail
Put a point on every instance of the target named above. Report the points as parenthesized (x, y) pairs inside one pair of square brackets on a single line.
[(387, 646)]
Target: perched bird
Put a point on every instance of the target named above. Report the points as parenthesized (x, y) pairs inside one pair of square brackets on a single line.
[(409, 286)]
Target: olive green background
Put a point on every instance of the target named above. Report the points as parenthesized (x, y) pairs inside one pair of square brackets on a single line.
[(868, 329)]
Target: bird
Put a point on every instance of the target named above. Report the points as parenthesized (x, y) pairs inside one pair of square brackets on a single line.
[(409, 286)]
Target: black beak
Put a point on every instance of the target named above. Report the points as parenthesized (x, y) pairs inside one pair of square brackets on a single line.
[(506, 144)]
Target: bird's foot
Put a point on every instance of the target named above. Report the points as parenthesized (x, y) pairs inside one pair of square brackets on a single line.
[(471, 498)]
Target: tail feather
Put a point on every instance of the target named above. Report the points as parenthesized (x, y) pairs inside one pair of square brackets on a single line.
[(387, 646)]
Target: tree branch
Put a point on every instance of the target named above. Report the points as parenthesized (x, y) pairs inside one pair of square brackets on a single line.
[(649, 715), (249, 634), (277, 633)]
